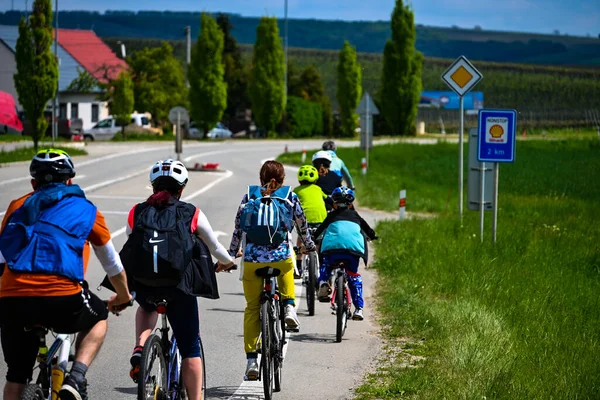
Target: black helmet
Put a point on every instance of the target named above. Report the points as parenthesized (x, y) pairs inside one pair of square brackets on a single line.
[(329, 145), (51, 165)]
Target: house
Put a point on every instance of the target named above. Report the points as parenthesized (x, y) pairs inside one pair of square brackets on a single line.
[(78, 51)]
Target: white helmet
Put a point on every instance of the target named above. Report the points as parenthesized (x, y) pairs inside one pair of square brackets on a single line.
[(322, 154), (171, 168)]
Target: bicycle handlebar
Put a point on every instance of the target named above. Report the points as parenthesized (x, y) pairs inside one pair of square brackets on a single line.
[(123, 306)]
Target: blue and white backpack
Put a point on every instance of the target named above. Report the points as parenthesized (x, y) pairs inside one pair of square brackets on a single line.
[(267, 220)]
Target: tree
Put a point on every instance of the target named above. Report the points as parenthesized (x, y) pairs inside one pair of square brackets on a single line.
[(313, 90), (267, 87), (122, 100), (401, 80), (208, 90), (84, 83), (36, 79), (235, 74), (158, 81), (349, 89)]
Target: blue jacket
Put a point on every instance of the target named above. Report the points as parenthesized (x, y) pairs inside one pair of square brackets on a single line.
[(339, 167), (344, 232), (48, 233)]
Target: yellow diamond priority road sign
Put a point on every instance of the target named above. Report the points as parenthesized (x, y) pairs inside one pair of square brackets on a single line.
[(462, 76)]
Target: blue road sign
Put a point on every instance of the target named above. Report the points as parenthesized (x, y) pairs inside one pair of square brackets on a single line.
[(497, 137)]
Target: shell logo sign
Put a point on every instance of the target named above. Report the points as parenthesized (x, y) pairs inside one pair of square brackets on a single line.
[(496, 131)]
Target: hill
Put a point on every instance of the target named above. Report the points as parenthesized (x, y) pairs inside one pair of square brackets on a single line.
[(368, 37)]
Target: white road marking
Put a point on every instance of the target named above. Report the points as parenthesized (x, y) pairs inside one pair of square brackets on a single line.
[(115, 212), (2, 213), (220, 233), (101, 196), (227, 175), (109, 182)]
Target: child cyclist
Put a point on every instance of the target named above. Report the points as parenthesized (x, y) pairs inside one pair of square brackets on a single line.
[(344, 240), (328, 180), (312, 198)]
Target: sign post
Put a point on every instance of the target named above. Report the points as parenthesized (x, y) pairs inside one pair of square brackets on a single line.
[(461, 77), (497, 140), (178, 117), (366, 109)]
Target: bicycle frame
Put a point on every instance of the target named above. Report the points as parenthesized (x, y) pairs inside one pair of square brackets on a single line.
[(340, 273), (172, 358), (61, 347)]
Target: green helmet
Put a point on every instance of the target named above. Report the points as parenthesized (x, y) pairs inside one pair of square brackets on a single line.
[(308, 173), (51, 165)]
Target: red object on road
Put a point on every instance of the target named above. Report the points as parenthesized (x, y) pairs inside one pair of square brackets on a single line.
[(210, 166)]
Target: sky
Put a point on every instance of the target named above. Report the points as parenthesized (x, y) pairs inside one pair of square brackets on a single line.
[(574, 17)]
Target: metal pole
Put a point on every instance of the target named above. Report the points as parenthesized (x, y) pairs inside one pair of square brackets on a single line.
[(460, 161), (481, 199), (367, 130), (56, 106), (285, 45), (188, 38), (178, 134), (495, 220)]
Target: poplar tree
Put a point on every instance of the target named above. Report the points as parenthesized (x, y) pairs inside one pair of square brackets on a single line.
[(349, 88), (122, 102), (208, 90), (36, 80), (401, 79), (267, 84)]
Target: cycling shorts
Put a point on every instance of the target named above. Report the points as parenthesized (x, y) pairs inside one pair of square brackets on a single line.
[(182, 313), (63, 314)]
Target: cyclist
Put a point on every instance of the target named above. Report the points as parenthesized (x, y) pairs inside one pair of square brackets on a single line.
[(277, 255), (337, 164), (163, 208), (43, 273), (344, 240), (312, 200), (328, 180)]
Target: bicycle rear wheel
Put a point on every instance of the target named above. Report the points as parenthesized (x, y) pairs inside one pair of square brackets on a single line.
[(153, 371), (278, 329), (266, 360), (32, 392), (203, 370), (341, 308), (311, 284)]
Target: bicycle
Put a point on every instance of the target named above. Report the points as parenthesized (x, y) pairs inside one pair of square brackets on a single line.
[(310, 275), (168, 382), (272, 332), (54, 362), (341, 300)]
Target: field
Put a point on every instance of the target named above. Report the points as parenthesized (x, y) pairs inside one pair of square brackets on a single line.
[(515, 320), (545, 96), (27, 153)]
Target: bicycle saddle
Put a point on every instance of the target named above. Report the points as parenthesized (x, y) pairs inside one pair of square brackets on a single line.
[(268, 272), (37, 328)]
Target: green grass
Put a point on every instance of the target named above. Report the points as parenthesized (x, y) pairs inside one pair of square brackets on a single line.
[(142, 137), (515, 320), (13, 138), (27, 153)]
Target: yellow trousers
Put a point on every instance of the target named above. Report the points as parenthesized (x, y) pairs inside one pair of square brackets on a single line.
[(253, 287)]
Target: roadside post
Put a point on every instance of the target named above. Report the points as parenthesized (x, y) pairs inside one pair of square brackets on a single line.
[(366, 109), (178, 117), (402, 205), (461, 77), (363, 165), (496, 144), (303, 155), (479, 183)]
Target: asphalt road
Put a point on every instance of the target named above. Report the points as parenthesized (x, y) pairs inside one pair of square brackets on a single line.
[(115, 177)]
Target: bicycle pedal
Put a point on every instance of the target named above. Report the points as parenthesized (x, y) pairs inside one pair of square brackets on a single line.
[(292, 329)]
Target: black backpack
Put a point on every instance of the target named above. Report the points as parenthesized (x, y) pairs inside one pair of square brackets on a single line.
[(161, 245)]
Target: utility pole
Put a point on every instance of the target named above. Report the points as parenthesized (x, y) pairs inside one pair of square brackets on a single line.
[(55, 106), (188, 38), (285, 45)]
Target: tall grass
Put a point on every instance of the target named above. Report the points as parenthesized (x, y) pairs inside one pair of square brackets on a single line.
[(27, 153), (515, 320)]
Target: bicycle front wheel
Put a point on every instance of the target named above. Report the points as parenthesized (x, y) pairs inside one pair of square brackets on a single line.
[(266, 352), (341, 307), (32, 392), (153, 371), (311, 284)]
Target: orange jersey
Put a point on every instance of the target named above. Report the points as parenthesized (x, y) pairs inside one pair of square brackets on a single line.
[(14, 284)]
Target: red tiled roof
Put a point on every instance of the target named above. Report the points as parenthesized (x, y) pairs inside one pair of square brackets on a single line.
[(91, 52)]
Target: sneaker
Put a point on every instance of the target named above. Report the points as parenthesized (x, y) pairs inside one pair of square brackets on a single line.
[(252, 369), (324, 292), (298, 270), (358, 315), (71, 390), (135, 363), (291, 319)]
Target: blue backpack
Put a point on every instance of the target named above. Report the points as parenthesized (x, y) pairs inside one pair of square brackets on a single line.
[(267, 220)]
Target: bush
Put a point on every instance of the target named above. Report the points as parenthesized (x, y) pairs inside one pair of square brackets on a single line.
[(303, 118)]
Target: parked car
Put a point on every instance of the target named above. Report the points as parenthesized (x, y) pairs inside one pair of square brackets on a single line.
[(108, 128), (66, 127), (9, 117), (220, 131)]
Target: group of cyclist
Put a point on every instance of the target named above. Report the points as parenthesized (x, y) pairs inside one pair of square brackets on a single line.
[(45, 247)]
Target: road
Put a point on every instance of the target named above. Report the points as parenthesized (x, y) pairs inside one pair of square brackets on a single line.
[(115, 176)]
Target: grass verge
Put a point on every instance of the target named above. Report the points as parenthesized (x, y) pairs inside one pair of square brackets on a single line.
[(27, 153), (515, 320), (142, 137), (466, 320)]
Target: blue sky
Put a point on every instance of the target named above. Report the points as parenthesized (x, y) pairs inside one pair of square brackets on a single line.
[(575, 17)]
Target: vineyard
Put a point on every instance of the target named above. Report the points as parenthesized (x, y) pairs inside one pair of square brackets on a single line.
[(545, 96)]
